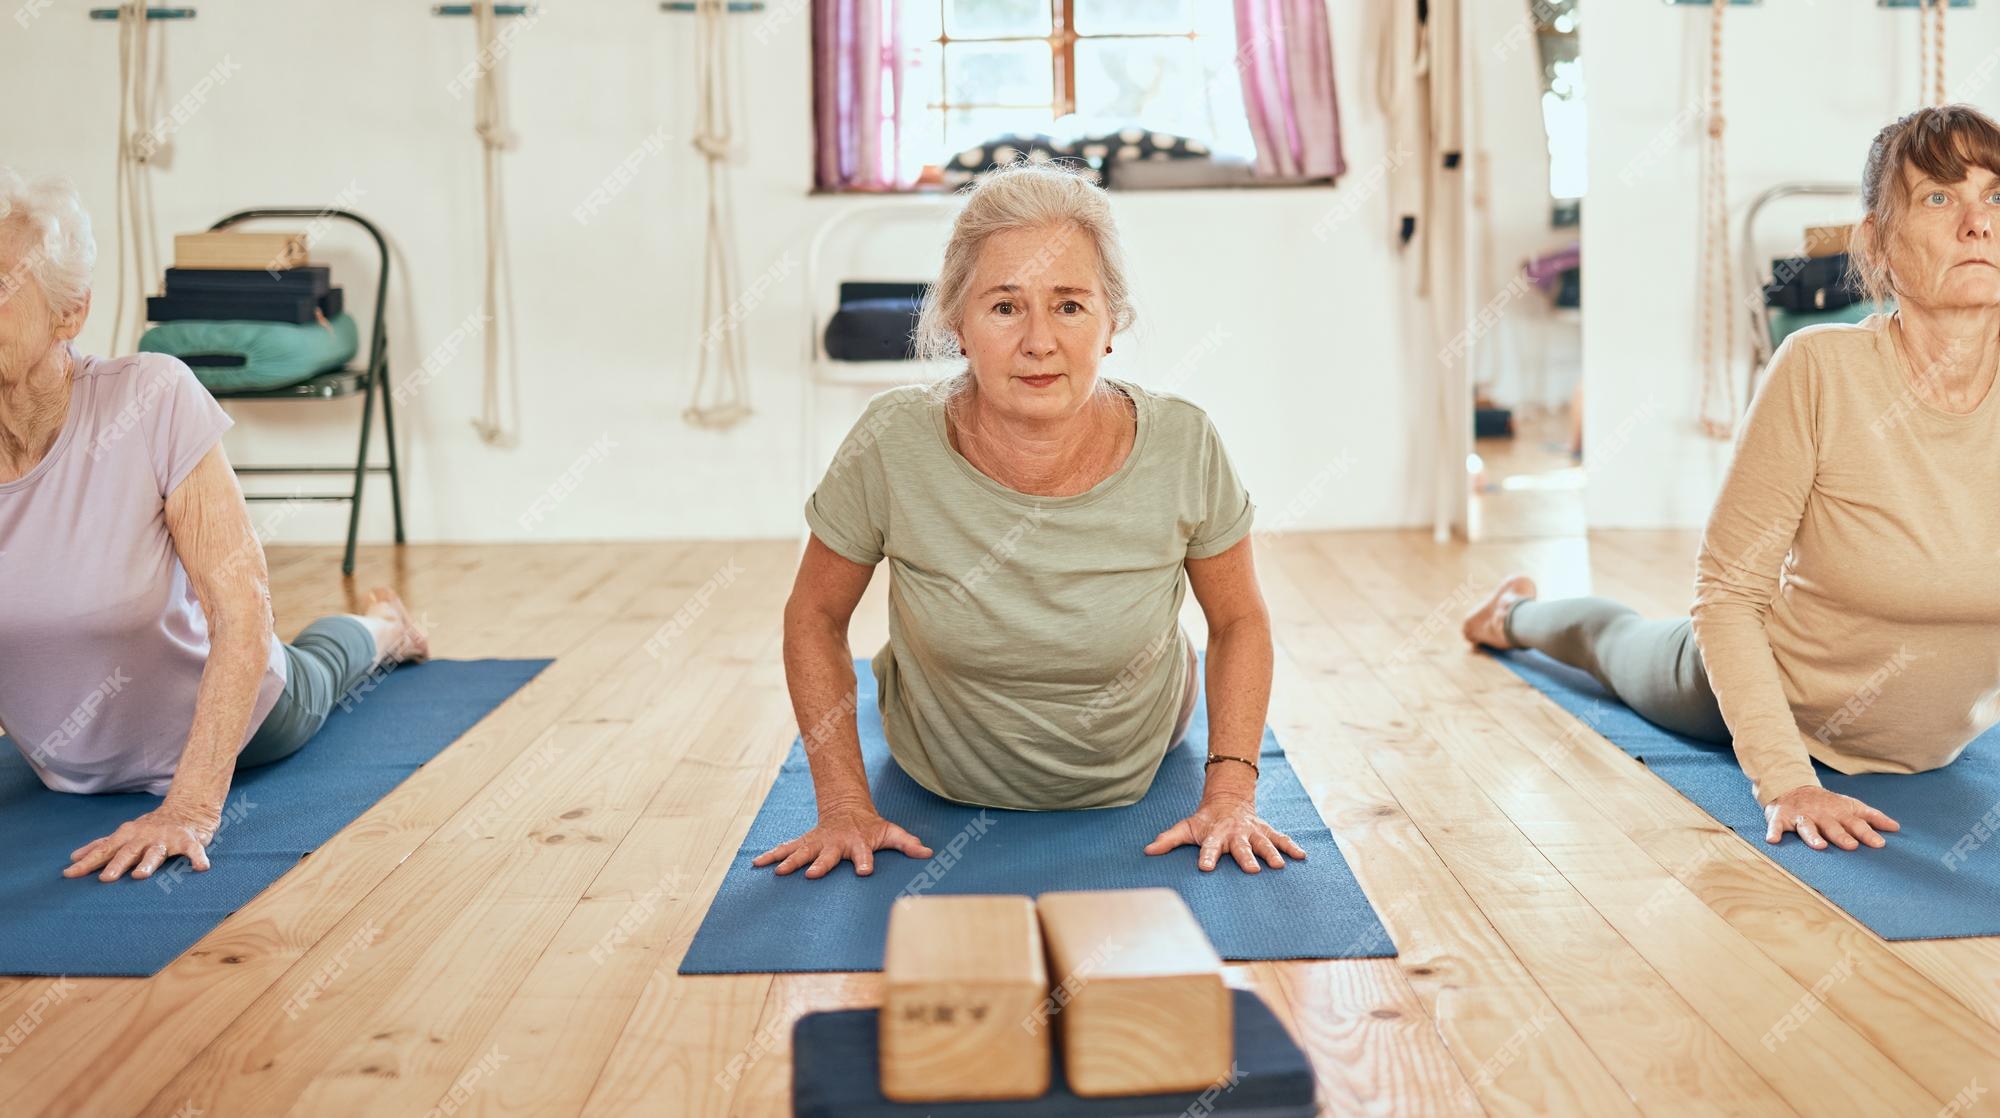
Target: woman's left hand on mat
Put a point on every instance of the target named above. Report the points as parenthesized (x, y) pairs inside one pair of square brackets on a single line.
[(144, 844), (1227, 823)]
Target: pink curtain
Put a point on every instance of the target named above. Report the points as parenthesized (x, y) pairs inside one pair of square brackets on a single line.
[(858, 94), (1285, 54)]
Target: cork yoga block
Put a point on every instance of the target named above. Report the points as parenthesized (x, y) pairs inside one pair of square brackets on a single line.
[(1138, 1001), (963, 977), (243, 251)]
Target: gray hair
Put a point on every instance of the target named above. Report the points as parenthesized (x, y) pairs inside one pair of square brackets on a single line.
[(1018, 196), (59, 251)]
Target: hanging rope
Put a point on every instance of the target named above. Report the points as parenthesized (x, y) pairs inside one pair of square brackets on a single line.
[(502, 378), (1715, 277), (1930, 49), (721, 338), (138, 233)]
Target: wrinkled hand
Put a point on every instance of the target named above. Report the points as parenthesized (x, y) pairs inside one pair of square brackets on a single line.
[(145, 843), (1820, 816), (843, 833), (1226, 823)]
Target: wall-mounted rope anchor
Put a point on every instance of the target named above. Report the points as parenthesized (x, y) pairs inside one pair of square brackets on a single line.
[(108, 14)]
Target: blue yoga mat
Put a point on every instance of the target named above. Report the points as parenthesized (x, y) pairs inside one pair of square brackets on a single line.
[(837, 1073), (275, 815), (763, 923), (1936, 878)]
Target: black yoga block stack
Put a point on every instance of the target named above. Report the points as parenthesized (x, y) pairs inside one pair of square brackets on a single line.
[(1807, 284), (836, 1073), (875, 322), (296, 295)]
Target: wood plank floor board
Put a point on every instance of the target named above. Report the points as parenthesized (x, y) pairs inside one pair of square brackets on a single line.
[(1499, 1024)]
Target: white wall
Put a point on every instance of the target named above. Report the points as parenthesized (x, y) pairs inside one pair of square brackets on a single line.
[(329, 96), (1806, 87)]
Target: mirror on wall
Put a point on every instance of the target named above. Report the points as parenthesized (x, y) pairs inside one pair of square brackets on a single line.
[(1525, 471)]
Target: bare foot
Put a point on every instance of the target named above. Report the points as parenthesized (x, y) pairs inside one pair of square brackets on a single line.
[(1486, 625), (407, 642)]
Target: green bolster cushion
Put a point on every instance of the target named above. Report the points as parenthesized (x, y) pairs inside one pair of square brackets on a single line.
[(1784, 323), (272, 354)]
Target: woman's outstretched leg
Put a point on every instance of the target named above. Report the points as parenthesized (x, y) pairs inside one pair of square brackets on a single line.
[(1653, 666), (329, 659)]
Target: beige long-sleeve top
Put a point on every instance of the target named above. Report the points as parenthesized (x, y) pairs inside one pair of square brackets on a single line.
[(1847, 594)]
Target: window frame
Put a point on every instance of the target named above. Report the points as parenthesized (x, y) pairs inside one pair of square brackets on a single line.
[(1062, 39), (929, 110)]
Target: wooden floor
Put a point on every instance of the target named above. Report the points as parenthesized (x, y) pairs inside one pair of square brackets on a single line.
[(499, 934), (1528, 487)]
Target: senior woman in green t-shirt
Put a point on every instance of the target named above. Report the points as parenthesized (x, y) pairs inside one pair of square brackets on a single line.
[(1037, 518)]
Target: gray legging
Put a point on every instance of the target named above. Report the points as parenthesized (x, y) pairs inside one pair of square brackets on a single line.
[(328, 660), (1654, 667)]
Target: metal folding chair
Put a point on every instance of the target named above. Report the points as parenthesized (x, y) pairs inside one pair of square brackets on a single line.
[(370, 380), (1757, 269)]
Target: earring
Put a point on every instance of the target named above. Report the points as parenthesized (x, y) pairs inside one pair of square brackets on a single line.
[(961, 351), (1107, 349)]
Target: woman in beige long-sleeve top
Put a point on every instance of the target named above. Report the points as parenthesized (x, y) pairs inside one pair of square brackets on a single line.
[(1847, 594)]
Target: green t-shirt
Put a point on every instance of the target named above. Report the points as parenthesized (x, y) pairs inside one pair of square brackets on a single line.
[(1035, 656)]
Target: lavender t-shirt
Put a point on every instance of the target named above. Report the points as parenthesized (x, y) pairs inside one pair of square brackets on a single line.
[(102, 640)]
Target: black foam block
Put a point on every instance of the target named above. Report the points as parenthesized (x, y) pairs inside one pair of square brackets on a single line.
[(836, 1074)]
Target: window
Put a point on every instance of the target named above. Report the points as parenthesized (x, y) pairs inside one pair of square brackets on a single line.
[(978, 69)]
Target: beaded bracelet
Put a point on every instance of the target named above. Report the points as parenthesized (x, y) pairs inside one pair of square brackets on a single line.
[(1213, 757)]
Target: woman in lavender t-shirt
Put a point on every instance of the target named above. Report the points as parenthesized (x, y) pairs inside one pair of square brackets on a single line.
[(136, 643)]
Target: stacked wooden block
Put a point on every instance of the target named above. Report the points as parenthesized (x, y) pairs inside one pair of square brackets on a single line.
[(245, 277), (259, 251), (1137, 999)]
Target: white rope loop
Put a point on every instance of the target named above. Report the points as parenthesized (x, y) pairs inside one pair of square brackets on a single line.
[(1716, 277), (500, 390), (138, 221), (721, 337), (1930, 58)]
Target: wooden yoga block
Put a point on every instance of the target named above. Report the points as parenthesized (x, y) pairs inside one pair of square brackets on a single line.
[(244, 251), (1827, 240), (1141, 1005), (962, 979)]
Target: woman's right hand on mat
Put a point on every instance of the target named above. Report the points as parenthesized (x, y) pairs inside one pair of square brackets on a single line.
[(144, 844), (1820, 816), (843, 833)]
